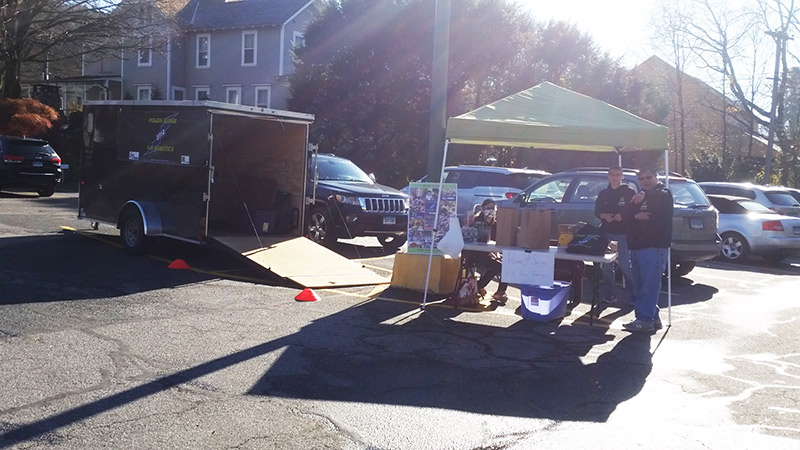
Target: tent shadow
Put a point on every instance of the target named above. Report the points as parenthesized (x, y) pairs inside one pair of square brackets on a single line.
[(427, 359)]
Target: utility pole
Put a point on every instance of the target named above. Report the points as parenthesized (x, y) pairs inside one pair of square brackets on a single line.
[(780, 37), (438, 115)]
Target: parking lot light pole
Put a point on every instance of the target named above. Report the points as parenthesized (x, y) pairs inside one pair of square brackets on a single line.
[(438, 114)]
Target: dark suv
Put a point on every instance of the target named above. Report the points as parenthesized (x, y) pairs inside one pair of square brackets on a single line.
[(348, 203), (29, 164), (571, 195)]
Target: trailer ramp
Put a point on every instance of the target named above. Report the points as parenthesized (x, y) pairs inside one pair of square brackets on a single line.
[(303, 261)]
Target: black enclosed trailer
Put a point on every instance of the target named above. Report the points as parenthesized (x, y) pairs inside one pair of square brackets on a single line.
[(200, 171)]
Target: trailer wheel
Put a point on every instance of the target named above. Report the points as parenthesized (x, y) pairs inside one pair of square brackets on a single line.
[(320, 228), (132, 232)]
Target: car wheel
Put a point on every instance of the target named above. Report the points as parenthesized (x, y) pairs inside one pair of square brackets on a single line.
[(392, 241), (682, 268), (320, 227), (46, 191), (734, 247), (132, 232), (774, 258)]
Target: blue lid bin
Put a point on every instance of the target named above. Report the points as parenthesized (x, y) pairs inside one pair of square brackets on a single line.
[(545, 303)]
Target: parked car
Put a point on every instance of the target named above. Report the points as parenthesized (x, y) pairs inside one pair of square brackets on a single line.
[(572, 194), (477, 183), (775, 198), (794, 193), (349, 203), (29, 164), (748, 227)]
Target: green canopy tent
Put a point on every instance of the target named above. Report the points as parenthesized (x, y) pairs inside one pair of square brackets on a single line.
[(552, 117), (547, 116)]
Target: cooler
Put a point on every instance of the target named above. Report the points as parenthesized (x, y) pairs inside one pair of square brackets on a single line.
[(545, 303)]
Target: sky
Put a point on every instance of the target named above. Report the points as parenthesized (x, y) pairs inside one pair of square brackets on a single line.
[(621, 27)]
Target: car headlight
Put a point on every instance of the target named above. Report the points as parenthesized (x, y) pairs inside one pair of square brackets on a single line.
[(348, 199)]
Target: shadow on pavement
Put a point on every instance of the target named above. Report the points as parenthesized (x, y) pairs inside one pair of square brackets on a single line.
[(67, 266), (530, 369), (387, 352)]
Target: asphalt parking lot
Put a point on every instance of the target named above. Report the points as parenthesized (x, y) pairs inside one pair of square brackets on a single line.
[(102, 349)]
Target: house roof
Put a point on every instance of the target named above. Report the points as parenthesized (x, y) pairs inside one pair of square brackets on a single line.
[(216, 14), (170, 7)]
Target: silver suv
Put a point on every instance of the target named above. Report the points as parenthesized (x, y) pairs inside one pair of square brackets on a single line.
[(477, 183), (775, 198), (572, 194)]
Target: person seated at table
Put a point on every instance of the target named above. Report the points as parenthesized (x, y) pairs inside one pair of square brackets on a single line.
[(486, 223)]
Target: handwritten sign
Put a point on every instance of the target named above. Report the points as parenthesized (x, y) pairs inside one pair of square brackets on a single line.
[(528, 267)]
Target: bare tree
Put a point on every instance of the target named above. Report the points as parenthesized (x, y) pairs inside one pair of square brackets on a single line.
[(720, 35), (671, 35), (45, 31)]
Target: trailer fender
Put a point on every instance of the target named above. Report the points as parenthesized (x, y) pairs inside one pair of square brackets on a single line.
[(151, 216)]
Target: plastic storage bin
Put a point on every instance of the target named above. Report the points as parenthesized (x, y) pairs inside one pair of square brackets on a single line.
[(545, 303)]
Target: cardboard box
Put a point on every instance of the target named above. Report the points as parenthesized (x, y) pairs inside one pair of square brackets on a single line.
[(507, 223), (410, 270), (534, 228)]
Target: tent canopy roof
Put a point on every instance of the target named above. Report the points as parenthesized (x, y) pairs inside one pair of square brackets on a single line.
[(552, 117)]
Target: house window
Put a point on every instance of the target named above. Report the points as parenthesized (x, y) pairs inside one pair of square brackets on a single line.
[(203, 50), (146, 56), (263, 94), (249, 48), (233, 95), (202, 93), (178, 93), (299, 39), (143, 93)]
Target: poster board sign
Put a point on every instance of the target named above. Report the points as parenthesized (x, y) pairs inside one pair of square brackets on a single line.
[(421, 215), (534, 267)]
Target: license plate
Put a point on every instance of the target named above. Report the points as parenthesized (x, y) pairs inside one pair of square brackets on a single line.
[(796, 230), (696, 224), (388, 221), (37, 164)]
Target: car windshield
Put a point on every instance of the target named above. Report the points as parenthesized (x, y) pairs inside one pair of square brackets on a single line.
[(337, 169), (781, 198), (687, 194)]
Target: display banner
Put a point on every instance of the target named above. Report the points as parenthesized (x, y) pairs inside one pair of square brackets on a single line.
[(422, 215)]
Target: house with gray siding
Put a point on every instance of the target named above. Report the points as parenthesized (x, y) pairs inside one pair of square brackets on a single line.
[(235, 51), (241, 51)]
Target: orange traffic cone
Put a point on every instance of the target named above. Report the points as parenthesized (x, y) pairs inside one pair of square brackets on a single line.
[(307, 295), (179, 264)]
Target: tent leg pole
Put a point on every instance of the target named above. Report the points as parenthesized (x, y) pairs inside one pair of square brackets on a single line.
[(435, 226), (669, 251)]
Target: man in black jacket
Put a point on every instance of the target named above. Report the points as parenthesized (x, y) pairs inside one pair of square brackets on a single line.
[(608, 208), (649, 216)]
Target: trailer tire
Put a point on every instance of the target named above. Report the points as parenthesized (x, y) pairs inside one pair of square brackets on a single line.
[(131, 231)]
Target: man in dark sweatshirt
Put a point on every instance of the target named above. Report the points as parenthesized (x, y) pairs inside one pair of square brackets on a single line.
[(649, 217), (608, 208)]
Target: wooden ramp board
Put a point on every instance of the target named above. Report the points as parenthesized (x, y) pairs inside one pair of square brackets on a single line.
[(302, 261)]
